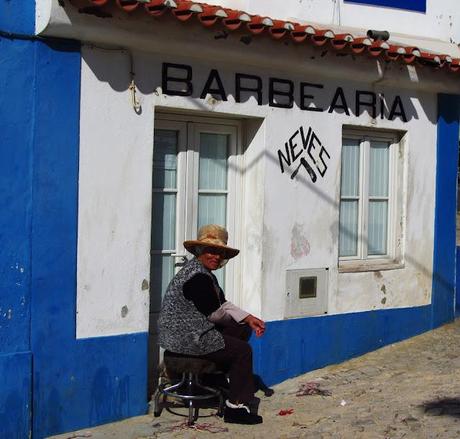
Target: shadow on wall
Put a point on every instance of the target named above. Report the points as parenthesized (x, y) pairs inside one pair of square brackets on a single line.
[(206, 83), (197, 83)]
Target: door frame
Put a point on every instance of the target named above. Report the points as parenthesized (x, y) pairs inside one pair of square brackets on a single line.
[(189, 127)]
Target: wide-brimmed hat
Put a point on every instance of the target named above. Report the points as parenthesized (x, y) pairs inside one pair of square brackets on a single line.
[(214, 236)]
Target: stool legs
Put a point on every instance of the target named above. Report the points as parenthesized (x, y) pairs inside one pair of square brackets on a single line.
[(157, 405), (220, 411), (186, 390), (191, 414)]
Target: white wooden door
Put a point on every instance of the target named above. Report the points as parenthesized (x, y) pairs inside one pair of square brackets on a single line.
[(195, 180)]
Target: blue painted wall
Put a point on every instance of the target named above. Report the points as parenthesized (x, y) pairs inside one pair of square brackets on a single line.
[(77, 383), (16, 139), (292, 347), (17, 16), (444, 280), (16, 128), (74, 383), (457, 284)]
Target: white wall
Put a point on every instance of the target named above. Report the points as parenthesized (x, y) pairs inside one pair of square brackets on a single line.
[(441, 21), (114, 200), (302, 210), (433, 31), (115, 179)]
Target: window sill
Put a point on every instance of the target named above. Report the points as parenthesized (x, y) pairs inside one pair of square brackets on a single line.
[(369, 265)]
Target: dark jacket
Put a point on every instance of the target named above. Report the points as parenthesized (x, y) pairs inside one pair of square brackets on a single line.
[(182, 327)]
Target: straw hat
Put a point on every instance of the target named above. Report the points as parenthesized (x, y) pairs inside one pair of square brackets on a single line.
[(211, 235)]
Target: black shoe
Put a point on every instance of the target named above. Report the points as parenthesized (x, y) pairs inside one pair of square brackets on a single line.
[(260, 385), (253, 405), (241, 416)]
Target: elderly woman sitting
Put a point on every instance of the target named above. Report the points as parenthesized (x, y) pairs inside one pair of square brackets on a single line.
[(196, 319)]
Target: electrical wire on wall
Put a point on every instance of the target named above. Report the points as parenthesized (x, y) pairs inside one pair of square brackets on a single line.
[(336, 16), (132, 85)]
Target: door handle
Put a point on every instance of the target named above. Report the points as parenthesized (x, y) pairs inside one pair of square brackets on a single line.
[(182, 257)]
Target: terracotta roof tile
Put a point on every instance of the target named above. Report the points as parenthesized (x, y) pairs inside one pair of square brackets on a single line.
[(235, 19), (209, 15), (159, 7), (340, 41), (128, 5), (322, 36), (258, 24), (280, 28)]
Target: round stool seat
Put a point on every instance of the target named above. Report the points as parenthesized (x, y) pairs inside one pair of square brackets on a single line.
[(178, 363)]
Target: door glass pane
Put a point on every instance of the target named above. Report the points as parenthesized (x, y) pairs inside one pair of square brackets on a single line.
[(212, 177), (212, 209), (350, 168), (162, 273), (165, 159), (164, 199), (348, 228), (379, 169), (164, 185), (377, 229), (213, 161), (164, 221)]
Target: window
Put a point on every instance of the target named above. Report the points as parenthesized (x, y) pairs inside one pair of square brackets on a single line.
[(369, 205)]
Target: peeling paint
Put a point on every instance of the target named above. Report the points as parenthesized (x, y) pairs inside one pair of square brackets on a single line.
[(383, 301), (299, 244), (124, 311), (212, 101), (145, 285), (383, 289)]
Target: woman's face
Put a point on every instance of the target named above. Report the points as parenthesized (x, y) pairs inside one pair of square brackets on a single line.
[(211, 258)]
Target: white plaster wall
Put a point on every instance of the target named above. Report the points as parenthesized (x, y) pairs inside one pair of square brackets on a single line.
[(436, 30), (302, 210), (114, 200), (441, 20), (277, 212)]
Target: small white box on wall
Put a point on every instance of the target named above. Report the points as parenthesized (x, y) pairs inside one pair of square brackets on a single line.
[(306, 292)]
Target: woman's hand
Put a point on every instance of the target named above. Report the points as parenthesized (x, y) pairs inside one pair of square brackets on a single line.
[(257, 325)]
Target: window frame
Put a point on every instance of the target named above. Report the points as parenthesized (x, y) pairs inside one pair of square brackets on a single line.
[(393, 259)]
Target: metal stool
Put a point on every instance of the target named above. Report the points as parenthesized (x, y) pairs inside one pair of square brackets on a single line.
[(188, 389)]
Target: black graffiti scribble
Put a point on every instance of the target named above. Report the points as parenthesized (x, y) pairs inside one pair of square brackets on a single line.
[(309, 169), (304, 154)]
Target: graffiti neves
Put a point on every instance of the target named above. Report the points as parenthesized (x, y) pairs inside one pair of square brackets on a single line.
[(299, 149)]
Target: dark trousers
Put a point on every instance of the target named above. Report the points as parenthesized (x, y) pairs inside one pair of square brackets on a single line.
[(236, 360)]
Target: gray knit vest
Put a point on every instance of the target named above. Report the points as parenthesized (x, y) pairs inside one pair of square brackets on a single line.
[(182, 328)]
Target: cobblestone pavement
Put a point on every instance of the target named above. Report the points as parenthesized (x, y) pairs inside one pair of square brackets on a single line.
[(406, 390)]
